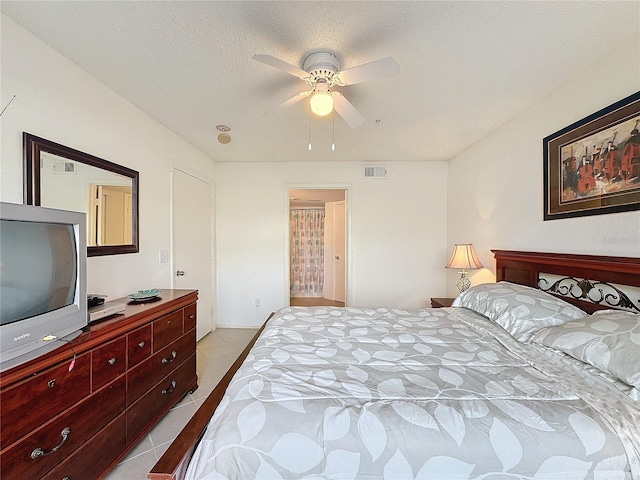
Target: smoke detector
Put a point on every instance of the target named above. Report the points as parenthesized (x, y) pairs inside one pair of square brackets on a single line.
[(224, 137)]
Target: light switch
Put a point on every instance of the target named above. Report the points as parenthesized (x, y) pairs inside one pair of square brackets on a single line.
[(164, 256)]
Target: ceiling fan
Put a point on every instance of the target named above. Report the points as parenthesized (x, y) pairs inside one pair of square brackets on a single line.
[(321, 71)]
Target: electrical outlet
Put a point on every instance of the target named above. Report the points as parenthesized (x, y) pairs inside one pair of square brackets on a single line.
[(258, 303)]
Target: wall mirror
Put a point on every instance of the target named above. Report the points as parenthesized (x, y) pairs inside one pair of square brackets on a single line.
[(56, 176)]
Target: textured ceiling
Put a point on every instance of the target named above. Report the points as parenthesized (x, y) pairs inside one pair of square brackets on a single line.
[(466, 67)]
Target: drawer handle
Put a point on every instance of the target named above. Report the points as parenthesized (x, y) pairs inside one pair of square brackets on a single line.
[(38, 452), (174, 354), (192, 317), (141, 344), (170, 389), (112, 361), (51, 383)]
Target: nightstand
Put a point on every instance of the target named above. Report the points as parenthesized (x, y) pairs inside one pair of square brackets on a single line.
[(441, 302)]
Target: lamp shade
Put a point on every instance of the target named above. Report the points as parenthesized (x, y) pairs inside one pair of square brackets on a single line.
[(321, 101), (463, 257)]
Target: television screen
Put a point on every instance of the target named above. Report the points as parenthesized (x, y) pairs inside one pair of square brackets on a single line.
[(38, 268)]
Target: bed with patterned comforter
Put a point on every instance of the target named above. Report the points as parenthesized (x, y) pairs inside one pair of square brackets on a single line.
[(348, 393)]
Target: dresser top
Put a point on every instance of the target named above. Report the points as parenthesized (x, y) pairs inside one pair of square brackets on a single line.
[(134, 315), (167, 298)]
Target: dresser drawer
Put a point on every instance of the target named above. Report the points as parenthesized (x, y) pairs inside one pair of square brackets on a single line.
[(44, 448), (107, 362), (161, 397), (31, 403), (138, 345), (151, 371), (95, 456), (189, 317), (167, 329)]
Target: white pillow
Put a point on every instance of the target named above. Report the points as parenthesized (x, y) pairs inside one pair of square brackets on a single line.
[(608, 340), (520, 310)]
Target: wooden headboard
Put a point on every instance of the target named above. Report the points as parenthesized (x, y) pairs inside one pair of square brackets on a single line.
[(589, 282)]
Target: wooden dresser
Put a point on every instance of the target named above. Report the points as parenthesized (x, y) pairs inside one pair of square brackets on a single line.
[(64, 423)]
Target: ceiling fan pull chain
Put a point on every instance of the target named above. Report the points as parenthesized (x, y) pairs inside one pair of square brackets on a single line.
[(333, 130), (309, 128)]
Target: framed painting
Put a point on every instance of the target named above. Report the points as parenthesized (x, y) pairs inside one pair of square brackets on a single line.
[(592, 167)]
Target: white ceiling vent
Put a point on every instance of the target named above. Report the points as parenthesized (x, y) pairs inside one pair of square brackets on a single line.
[(374, 172), (64, 167)]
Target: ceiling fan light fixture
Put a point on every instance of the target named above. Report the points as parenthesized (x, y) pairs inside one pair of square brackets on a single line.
[(321, 101)]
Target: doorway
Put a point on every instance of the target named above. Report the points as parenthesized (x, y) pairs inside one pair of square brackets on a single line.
[(110, 215), (317, 246)]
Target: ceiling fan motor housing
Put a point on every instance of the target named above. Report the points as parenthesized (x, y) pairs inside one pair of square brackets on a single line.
[(322, 65)]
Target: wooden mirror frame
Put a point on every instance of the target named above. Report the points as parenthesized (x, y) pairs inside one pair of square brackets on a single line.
[(32, 146)]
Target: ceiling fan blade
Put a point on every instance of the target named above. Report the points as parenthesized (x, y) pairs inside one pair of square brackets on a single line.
[(293, 100), (346, 110), (281, 65), (386, 67)]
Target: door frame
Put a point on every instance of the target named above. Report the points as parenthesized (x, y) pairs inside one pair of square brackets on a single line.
[(208, 180), (287, 251)]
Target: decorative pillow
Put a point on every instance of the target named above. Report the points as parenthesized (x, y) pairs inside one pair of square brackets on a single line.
[(520, 310), (608, 340)]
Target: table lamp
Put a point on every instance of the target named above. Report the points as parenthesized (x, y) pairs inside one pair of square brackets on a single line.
[(463, 257)]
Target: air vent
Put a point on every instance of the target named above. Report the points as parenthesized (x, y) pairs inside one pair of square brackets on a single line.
[(64, 167), (374, 172)]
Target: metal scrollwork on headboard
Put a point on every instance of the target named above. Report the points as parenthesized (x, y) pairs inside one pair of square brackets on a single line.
[(600, 293)]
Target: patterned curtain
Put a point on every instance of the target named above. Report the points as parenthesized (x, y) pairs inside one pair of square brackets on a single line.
[(307, 252)]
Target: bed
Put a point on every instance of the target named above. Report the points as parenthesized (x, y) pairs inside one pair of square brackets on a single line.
[(511, 382)]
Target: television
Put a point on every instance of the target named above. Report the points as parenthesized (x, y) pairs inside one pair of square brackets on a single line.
[(43, 293)]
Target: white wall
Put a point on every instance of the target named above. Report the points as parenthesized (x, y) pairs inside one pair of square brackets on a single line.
[(397, 235), (58, 101), (495, 194)]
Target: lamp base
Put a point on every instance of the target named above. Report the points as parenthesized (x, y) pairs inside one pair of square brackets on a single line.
[(463, 282)]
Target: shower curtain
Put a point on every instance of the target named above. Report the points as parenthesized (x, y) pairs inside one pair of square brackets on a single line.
[(307, 252)]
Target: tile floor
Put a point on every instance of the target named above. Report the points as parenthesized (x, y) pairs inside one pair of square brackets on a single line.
[(214, 355)]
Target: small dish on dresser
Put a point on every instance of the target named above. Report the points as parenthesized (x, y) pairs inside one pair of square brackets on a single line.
[(144, 295)]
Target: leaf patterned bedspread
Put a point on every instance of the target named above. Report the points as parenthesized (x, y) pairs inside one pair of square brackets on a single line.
[(348, 393)]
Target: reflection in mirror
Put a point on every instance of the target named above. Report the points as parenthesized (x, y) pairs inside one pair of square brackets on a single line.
[(105, 196), (60, 177)]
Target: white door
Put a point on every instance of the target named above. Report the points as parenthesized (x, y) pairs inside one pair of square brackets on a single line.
[(335, 251), (339, 251), (328, 291), (193, 243)]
